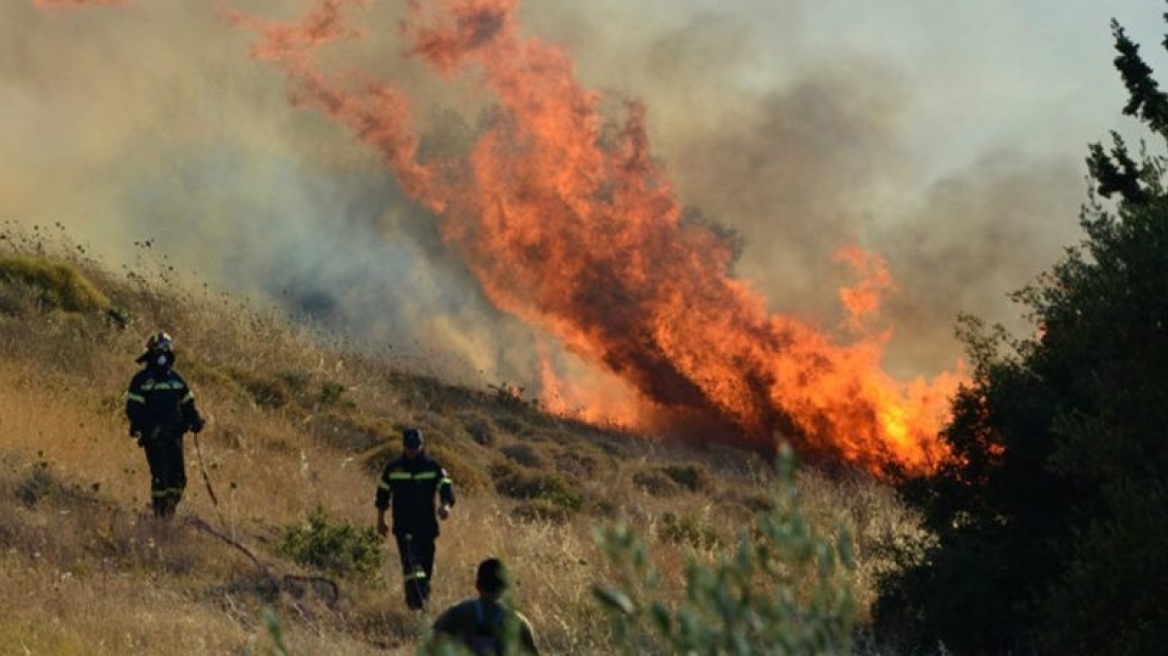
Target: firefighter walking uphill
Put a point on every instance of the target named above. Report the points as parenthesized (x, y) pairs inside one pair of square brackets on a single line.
[(161, 408), (412, 483)]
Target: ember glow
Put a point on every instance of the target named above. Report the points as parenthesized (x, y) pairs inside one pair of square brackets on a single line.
[(574, 227)]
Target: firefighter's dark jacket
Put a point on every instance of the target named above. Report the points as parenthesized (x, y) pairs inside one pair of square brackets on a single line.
[(411, 485), (160, 401)]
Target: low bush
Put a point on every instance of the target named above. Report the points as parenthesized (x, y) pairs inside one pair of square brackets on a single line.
[(551, 488), (688, 531), (59, 286), (655, 482), (691, 477), (524, 454), (337, 548)]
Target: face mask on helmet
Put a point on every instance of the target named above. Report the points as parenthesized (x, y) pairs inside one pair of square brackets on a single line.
[(159, 342), (159, 350)]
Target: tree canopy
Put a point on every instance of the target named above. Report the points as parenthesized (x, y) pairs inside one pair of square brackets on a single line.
[(1050, 525)]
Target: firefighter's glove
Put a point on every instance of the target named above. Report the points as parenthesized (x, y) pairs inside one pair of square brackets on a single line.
[(443, 511), (196, 425), (382, 529)]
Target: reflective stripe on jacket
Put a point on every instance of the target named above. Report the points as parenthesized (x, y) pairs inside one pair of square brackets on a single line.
[(410, 486)]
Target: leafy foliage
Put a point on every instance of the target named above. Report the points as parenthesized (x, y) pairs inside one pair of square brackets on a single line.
[(782, 590), (338, 548), (999, 515), (1050, 522)]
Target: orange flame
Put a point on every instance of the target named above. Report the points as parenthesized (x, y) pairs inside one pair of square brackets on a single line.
[(581, 233), (863, 300)]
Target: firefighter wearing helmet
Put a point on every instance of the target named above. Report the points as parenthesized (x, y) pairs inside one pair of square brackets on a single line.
[(412, 484), (161, 408)]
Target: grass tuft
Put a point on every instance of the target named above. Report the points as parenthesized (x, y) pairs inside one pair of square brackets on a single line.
[(55, 285)]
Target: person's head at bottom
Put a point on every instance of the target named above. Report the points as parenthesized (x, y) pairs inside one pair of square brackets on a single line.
[(412, 442), (485, 625), (492, 578)]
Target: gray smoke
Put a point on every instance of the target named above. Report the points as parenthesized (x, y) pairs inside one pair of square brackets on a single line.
[(151, 122)]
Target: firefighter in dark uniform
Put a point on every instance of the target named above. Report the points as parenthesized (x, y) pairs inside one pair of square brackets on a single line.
[(412, 483), (487, 624), (161, 408)]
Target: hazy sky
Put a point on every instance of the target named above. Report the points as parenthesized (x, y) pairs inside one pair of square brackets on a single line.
[(947, 137)]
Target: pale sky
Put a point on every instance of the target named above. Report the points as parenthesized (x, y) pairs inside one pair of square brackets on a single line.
[(1032, 73), (948, 137)]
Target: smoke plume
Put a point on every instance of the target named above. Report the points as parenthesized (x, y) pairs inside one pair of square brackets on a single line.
[(744, 259)]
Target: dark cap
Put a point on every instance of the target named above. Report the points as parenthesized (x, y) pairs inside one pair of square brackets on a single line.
[(492, 576), (412, 438)]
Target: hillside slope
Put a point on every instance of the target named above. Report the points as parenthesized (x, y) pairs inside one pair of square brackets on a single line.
[(299, 426)]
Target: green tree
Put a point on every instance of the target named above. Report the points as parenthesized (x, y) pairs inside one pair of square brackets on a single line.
[(1050, 524)]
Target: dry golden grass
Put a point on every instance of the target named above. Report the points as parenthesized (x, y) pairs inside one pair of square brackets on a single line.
[(296, 424)]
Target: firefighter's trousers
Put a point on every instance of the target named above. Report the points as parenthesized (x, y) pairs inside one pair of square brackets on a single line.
[(417, 564), (168, 478)]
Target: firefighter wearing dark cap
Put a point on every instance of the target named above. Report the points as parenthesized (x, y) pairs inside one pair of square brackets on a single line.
[(420, 493), (161, 407)]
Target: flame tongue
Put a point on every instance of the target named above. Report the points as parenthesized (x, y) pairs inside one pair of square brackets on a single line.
[(581, 233)]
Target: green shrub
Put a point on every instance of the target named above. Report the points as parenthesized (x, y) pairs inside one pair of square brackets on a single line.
[(331, 393), (481, 430), (689, 531), (514, 425), (655, 482), (352, 432), (523, 454), (265, 391), (337, 548), (785, 589), (575, 463), (1049, 521), (552, 488), (467, 476), (296, 382), (36, 484), (670, 479), (59, 286), (614, 450), (750, 502), (691, 477)]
